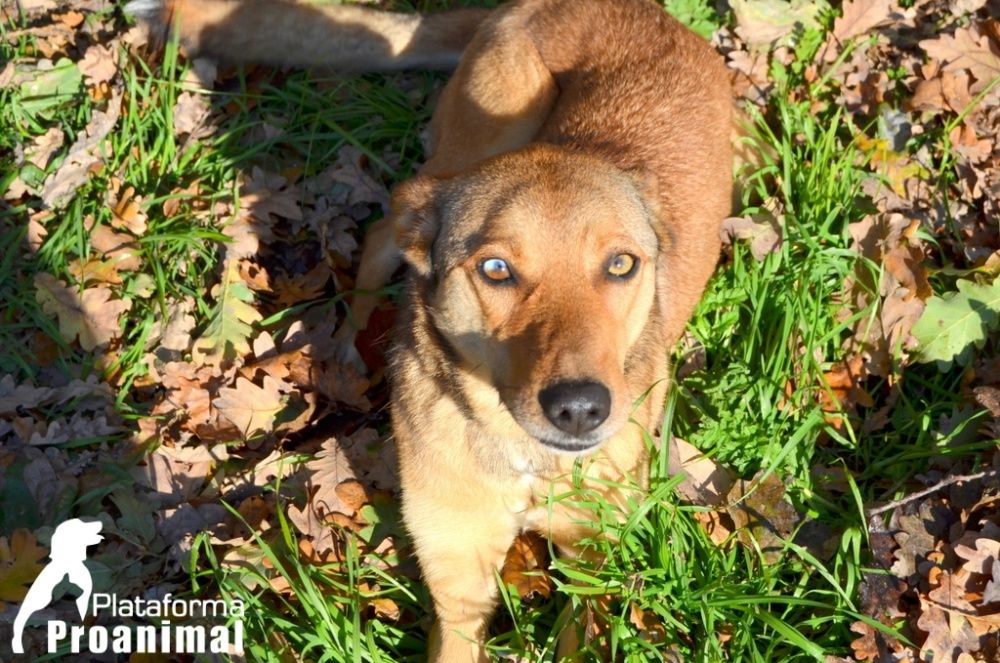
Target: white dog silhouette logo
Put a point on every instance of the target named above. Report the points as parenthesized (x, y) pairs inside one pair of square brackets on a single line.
[(69, 550)]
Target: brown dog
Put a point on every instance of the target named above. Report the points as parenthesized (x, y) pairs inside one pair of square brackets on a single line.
[(559, 238)]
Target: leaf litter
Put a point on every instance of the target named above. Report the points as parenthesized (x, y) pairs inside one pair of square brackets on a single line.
[(237, 403)]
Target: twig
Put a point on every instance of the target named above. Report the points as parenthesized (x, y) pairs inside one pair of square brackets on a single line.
[(943, 483)]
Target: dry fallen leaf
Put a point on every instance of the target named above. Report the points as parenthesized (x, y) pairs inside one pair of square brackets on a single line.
[(44, 147), (761, 22), (252, 408), (126, 209), (860, 16), (525, 567), (328, 470), (705, 483), (966, 49), (84, 155), (191, 114), (99, 64), (763, 230), (92, 315)]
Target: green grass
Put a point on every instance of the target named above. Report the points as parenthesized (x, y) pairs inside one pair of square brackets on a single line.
[(770, 331)]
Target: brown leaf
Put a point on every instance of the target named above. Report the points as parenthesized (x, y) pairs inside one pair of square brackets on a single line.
[(385, 609), (44, 147), (762, 515), (342, 383), (325, 472), (763, 230), (120, 249), (981, 558), (99, 64), (760, 22), (126, 209), (91, 271), (191, 114), (251, 408), (859, 17), (944, 618), (92, 315), (649, 625), (37, 233), (177, 328), (70, 19), (705, 483), (966, 49), (268, 195), (525, 567), (352, 495), (83, 157)]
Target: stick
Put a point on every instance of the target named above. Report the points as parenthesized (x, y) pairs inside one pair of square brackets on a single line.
[(944, 483)]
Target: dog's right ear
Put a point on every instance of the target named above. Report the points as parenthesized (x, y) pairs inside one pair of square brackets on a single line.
[(416, 221)]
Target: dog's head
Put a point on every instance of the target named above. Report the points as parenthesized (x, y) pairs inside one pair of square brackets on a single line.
[(540, 269), (71, 538)]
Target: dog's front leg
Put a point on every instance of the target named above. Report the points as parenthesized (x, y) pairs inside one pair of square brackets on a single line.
[(460, 546)]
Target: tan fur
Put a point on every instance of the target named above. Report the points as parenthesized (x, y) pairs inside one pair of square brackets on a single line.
[(571, 131)]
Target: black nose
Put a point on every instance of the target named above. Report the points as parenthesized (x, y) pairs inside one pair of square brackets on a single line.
[(576, 407)]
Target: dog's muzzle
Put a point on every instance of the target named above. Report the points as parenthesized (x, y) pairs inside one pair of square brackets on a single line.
[(576, 408)]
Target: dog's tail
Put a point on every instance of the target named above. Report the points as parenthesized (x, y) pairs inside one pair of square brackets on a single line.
[(346, 37)]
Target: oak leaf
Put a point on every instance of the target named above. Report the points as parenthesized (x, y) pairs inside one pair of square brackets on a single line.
[(860, 16), (966, 49), (98, 65), (252, 408), (525, 567), (91, 315), (761, 22), (83, 157), (229, 327), (44, 147)]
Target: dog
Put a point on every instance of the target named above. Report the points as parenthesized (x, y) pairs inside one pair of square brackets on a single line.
[(557, 240), (69, 551)]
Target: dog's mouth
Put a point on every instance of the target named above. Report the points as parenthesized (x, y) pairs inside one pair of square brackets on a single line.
[(571, 447)]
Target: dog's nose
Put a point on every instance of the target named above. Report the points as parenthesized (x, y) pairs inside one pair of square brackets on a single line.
[(576, 407)]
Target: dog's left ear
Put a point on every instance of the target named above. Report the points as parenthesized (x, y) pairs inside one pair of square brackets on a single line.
[(648, 187), (416, 220)]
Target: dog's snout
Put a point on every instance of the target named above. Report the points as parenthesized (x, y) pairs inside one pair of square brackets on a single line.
[(576, 407)]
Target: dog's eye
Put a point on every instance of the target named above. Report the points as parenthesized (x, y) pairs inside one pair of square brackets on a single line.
[(623, 266), (495, 270)]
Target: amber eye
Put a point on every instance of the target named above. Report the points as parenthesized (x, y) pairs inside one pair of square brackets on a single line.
[(623, 266), (495, 270)]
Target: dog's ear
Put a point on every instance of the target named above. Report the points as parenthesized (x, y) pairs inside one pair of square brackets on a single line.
[(648, 188), (416, 220)]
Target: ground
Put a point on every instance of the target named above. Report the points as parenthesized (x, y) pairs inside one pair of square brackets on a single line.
[(177, 239)]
